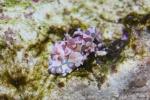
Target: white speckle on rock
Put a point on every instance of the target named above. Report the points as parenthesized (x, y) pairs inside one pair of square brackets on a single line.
[(27, 36), (26, 32), (108, 35), (20, 55)]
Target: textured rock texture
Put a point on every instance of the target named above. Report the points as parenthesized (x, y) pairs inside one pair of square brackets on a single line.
[(28, 28)]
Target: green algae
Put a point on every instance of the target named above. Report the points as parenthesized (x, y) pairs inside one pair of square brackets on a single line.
[(6, 97), (24, 80), (57, 30), (11, 3), (9, 21), (2, 44), (134, 19), (75, 24), (14, 77), (39, 46), (19, 77), (136, 23)]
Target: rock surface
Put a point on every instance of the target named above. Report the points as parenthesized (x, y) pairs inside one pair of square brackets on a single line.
[(28, 28)]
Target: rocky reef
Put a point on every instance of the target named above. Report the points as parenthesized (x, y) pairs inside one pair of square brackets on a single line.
[(48, 49)]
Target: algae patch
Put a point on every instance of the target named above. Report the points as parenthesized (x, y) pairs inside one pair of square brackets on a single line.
[(11, 3), (25, 81)]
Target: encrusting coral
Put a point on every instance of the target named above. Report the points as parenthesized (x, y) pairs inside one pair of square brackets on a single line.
[(73, 51)]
